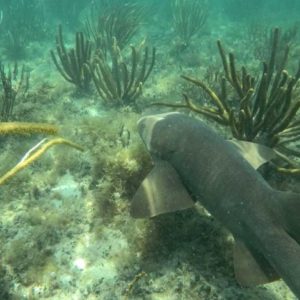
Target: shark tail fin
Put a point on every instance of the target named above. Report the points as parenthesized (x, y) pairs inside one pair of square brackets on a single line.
[(284, 254), (279, 251), (289, 210)]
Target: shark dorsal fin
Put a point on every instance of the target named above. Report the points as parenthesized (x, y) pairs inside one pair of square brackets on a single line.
[(160, 192), (249, 270), (255, 154)]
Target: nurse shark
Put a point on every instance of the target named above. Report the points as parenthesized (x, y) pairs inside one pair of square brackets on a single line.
[(193, 163)]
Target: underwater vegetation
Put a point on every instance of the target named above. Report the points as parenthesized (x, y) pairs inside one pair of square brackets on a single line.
[(71, 63), (120, 83), (189, 17), (111, 20), (260, 35), (13, 85)]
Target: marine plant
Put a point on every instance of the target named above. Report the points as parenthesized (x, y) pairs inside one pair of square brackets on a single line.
[(117, 172), (27, 254), (12, 128), (259, 37), (11, 85), (259, 109), (119, 83), (189, 17), (70, 62), (117, 20)]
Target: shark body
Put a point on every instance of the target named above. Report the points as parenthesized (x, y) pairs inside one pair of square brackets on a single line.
[(192, 161)]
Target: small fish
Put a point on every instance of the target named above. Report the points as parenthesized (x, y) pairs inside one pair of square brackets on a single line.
[(191, 159), (124, 136)]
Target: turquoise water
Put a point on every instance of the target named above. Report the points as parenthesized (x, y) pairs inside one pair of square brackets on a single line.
[(75, 77)]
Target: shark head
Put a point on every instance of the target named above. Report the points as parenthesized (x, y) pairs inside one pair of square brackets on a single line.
[(156, 132)]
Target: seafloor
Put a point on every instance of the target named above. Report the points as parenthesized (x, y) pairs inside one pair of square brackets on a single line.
[(65, 228)]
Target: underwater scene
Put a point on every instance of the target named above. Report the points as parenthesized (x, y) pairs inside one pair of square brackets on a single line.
[(149, 149)]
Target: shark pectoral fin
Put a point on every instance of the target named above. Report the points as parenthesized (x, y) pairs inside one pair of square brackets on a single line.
[(251, 270), (255, 154), (160, 192)]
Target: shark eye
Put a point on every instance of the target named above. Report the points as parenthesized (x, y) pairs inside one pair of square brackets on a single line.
[(142, 127)]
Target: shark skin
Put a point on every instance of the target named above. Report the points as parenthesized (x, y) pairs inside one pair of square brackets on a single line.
[(265, 222)]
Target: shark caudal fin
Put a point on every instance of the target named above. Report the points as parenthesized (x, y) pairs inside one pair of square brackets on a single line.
[(289, 207), (278, 253)]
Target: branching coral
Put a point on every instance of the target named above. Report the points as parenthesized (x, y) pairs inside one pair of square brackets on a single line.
[(116, 20), (11, 85), (118, 83), (72, 61), (189, 16)]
